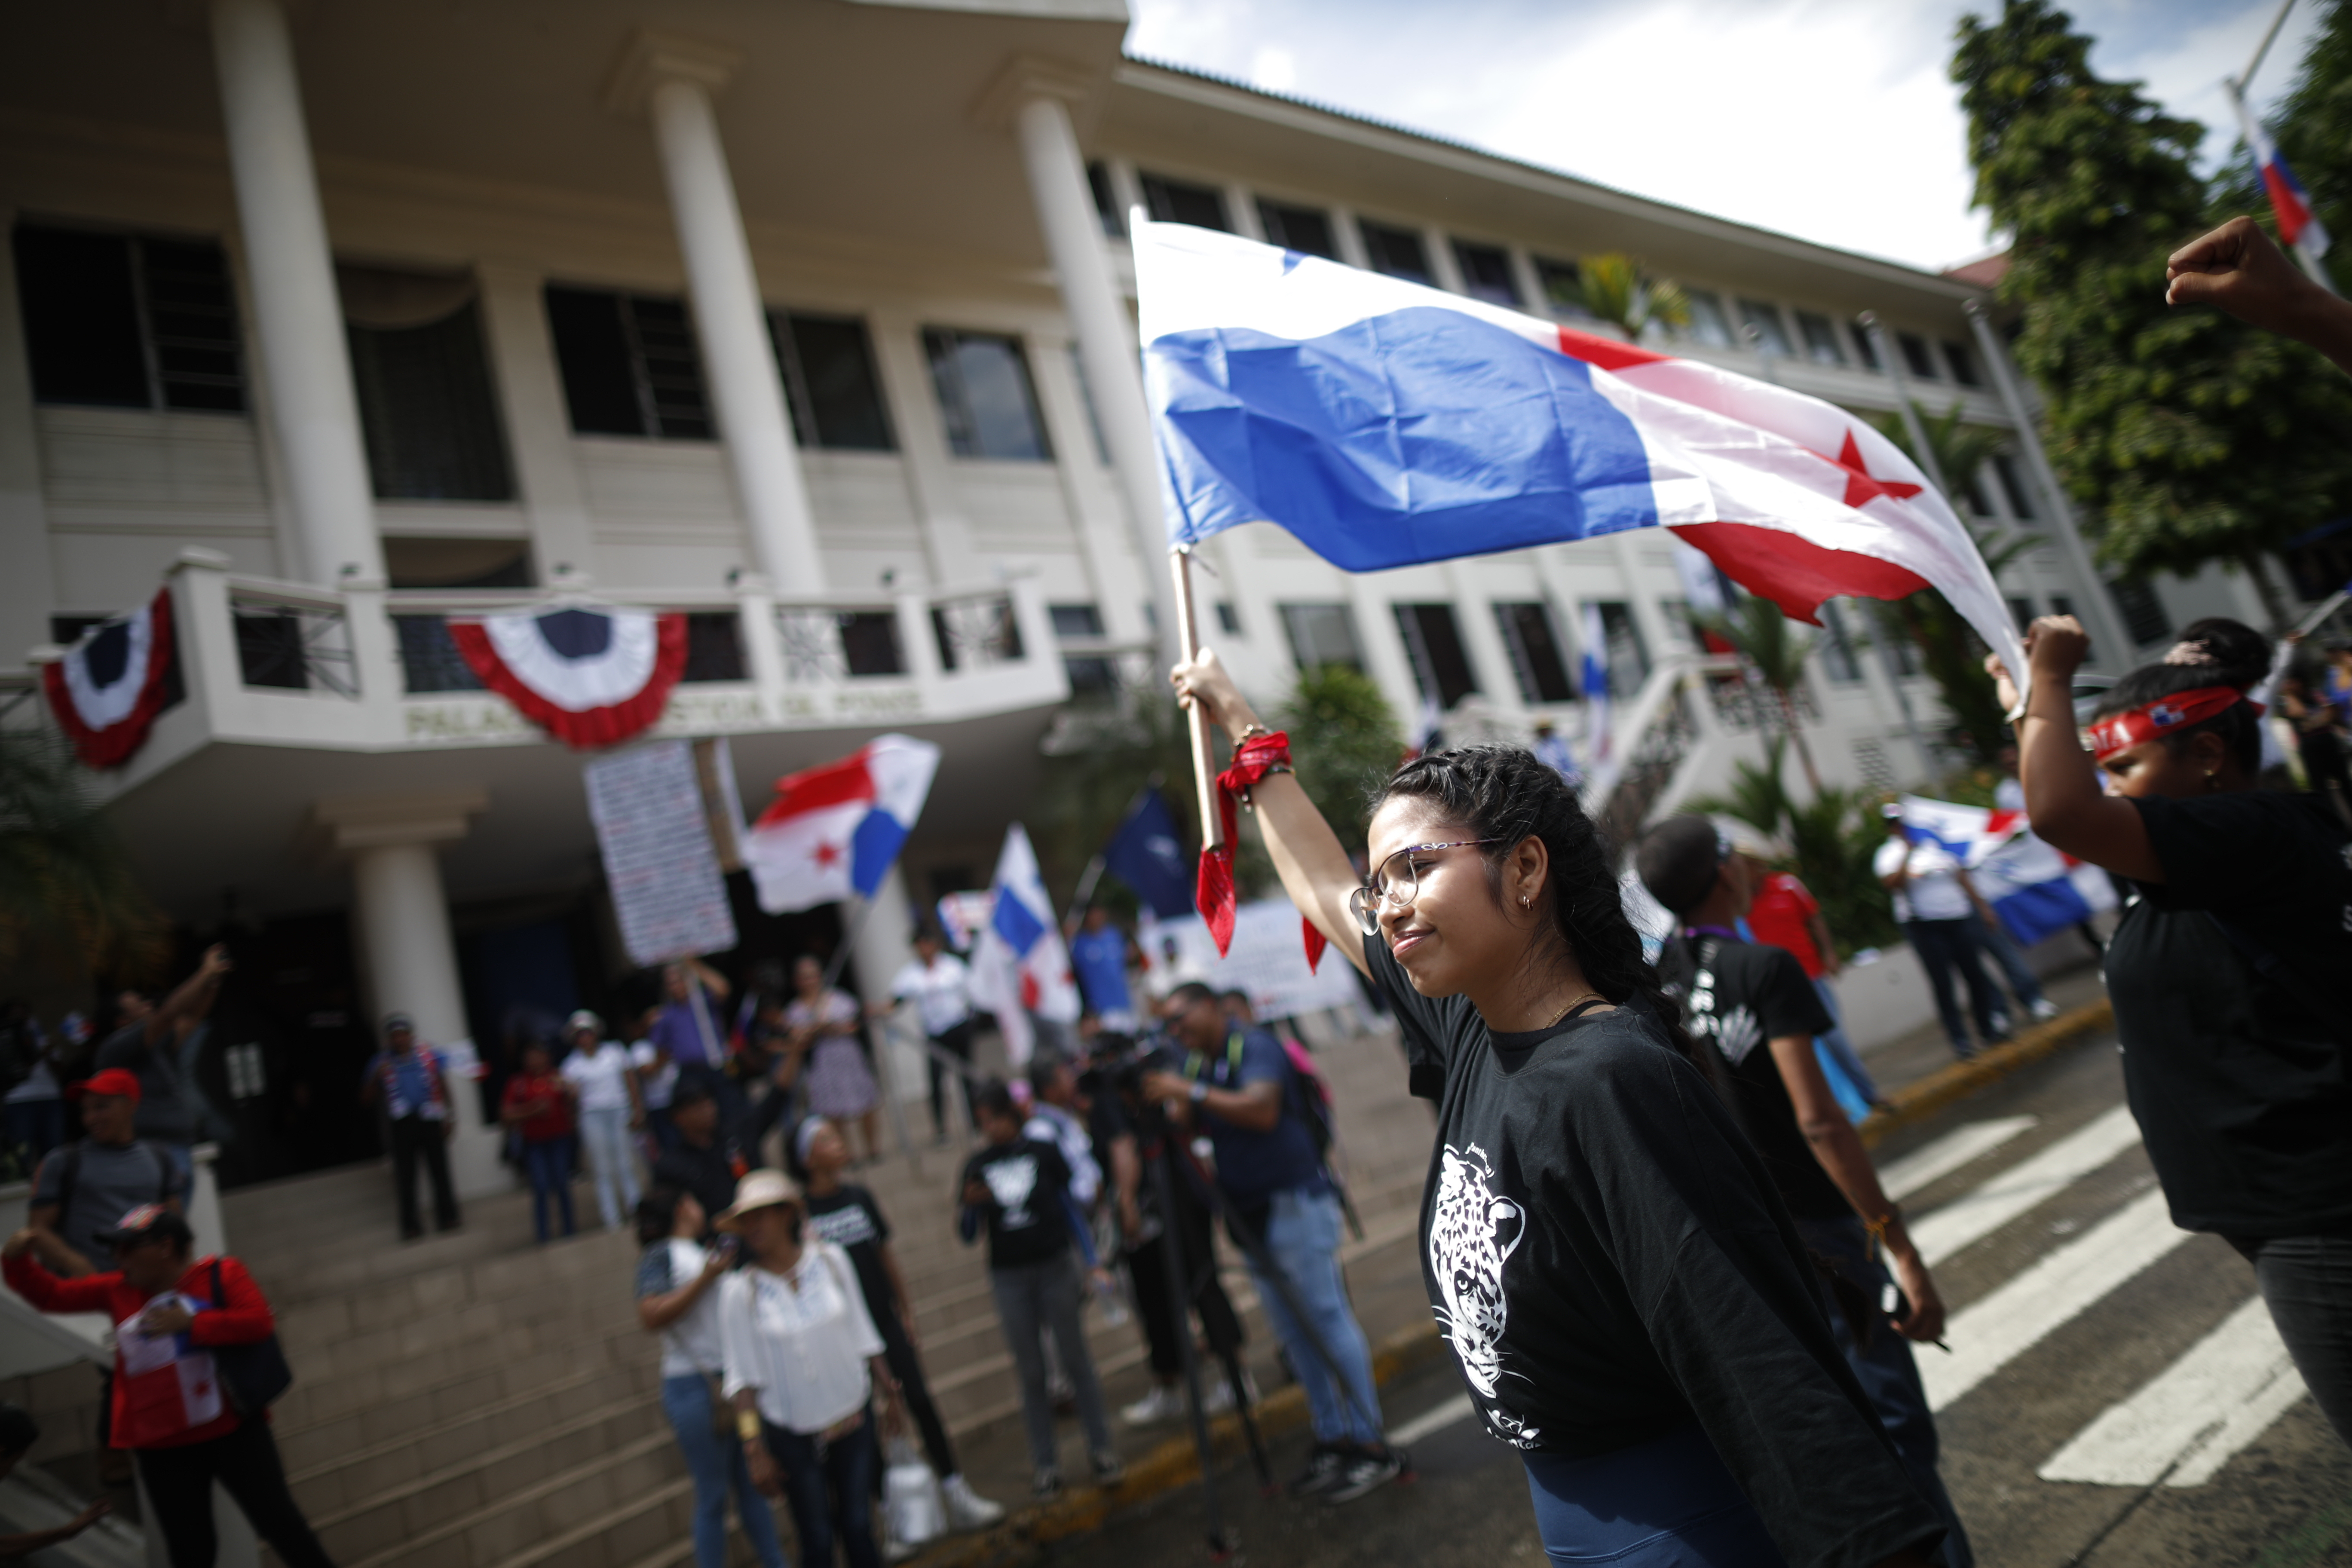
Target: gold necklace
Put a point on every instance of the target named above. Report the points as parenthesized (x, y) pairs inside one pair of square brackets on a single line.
[(1574, 1003)]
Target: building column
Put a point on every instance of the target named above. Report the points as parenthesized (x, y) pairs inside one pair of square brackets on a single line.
[(1034, 96), (671, 80), (409, 957), (299, 318)]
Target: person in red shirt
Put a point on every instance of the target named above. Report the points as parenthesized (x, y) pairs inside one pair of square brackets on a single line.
[(168, 1408), (1786, 915), (538, 1106)]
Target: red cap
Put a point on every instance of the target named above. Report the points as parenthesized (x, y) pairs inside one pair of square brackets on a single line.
[(113, 1080)]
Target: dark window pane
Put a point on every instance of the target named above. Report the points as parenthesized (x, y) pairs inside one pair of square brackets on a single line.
[(427, 411), (1486, 273), (1441, 665), (81, 317), (670, 368), (2020, 610), (1916, 357), (1821, 345), (1298, 229), (270, 649), (2143, 614), (714, 647), (1076, 620), (1535, 659), (1865, 348), (1771, 337), (429, 660), (1114, 222), (869, 643), (1091, 674), (1395, 251), (985, 396), (1627, 658), (412, 560), (1229, 620), (2020, 498), (829, 376), (1320, 634), (1563, 286), (593, 350), (1963, 363), (192, 323), (1838, 657), (1174, 201)]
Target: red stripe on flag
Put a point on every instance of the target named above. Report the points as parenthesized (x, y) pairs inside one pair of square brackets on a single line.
[(1796, 574), (2286, 202), (1607, 353), (814, 789)]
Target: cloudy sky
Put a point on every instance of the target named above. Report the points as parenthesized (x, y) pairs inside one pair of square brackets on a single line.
[(1828, 118)]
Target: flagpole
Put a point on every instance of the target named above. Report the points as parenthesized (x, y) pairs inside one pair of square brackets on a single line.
[(1188, 638)]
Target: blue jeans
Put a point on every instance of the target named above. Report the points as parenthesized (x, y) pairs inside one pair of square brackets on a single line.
[(1302, 1234), (1888, 1373), (1949, 947), (606, 1133), (548, 1162), (1666, 1503), (830, 1489), (716, 1463), (1995, 939), (1841, 1048)]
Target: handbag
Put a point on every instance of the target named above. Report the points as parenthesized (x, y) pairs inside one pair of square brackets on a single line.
[(252, 1376), (911, 1504)]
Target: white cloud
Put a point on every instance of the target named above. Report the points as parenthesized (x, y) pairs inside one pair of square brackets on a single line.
[(1829, 119)]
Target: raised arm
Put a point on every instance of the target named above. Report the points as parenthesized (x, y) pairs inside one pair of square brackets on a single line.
[(2237, 268), (1307, 856), (2062, 798), (193, 996)]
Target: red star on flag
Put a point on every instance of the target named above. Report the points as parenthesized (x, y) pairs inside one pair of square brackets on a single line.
[(1860, 486), (827, 854)]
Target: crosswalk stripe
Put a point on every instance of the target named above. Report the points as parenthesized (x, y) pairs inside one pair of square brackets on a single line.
[(1985, 1209), (1457, 1408), (2216, 1399), (1988, 1335), (1932, 1162)]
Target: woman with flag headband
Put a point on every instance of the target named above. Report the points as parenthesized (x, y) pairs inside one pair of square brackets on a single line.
[(2225, 967)]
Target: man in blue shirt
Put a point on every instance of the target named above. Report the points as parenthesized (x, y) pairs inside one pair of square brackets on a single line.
[(1234, 1083), (407, 1082), (1099, 952)]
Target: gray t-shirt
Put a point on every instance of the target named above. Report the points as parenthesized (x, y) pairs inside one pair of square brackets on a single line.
[(163, 1110), (108, 1183)]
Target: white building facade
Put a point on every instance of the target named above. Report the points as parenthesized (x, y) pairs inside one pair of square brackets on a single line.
[(811, 318)]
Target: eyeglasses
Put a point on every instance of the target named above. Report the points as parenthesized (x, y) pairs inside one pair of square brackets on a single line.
[(1397, 882)]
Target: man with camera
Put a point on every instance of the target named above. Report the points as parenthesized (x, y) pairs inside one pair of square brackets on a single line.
[(1234, 1083)]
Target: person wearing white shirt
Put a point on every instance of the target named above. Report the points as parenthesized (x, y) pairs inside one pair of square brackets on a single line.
[(1938, 907), (803, 1359), (940, 985), (677, 1298), (604, 1091)]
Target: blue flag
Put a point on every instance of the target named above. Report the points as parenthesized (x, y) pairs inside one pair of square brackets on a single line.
[(1146, 855)]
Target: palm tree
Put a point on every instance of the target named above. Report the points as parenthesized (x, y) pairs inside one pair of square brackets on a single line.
[(1616, 289), (68, 894), (1761, 634)]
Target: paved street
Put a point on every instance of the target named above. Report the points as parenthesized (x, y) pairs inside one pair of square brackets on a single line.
[(2114, 1395)]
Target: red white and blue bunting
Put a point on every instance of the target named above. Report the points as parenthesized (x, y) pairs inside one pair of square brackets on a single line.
[(589, 676), (108, 689)]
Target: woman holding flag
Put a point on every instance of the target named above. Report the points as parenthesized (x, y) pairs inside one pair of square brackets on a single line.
[(2224, 967), (1619, 1282)]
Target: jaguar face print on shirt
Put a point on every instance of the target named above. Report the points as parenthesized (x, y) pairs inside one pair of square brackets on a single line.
[(1473, 1231)]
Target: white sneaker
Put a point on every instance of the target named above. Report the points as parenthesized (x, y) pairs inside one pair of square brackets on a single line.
[(1163, 1403), (1218, 1396), (967, 1510), (2045, 1008)]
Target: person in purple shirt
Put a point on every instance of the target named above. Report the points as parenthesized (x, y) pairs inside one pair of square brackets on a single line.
[(689, 1034)]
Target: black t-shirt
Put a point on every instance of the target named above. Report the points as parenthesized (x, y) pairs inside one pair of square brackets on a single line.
[(2240, 1091), (1608, 1261), (1025, 1180), (708, 1173), (1741, 996), (850, 1219)]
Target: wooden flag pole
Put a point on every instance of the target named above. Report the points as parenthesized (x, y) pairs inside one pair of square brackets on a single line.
[(1187, 636)]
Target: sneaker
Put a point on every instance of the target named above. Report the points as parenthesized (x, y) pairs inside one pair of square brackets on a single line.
[(1109, 1469), (1363, 1472), (1324, 1468), (2044, 1008), (967, 1510), (1046, 1483), (1163, 1403), (1218, 1397), (895, 1550)]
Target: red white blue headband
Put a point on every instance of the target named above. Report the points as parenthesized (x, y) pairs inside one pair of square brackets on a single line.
[(2119, 732)]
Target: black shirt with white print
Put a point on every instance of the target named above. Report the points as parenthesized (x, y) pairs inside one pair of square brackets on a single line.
[(850, 1219), (1025, 1180), (2228, 983), (1741, 996), (1608, 1262)]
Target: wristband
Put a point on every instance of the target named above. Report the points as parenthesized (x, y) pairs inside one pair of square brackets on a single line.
[(747, 1426)]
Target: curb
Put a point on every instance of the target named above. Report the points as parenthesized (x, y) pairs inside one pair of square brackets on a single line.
[(1169, 1467), (1916, 1102)]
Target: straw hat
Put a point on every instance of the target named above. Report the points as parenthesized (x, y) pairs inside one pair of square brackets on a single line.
[(758, 1190)]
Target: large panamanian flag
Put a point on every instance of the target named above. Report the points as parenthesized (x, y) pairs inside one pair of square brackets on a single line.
[(835, 830), (2036, 891), (1385, 424)]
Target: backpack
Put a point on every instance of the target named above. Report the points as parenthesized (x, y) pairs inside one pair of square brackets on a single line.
[(70, 1172), (1312, 1097)]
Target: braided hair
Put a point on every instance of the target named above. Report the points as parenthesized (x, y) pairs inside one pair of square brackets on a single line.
[(1506, 795)]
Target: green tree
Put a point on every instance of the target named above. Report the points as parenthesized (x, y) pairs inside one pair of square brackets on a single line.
[(1777, 653), (67, 893), (1092, 778), (1618, 289), (2314, 132), (1345, 743), (2185, 436)]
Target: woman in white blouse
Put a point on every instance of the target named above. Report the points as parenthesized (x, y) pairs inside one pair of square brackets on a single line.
[(802, 1358)]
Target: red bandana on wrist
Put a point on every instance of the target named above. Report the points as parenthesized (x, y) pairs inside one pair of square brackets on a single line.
[(2121, 731), (1254, 758)]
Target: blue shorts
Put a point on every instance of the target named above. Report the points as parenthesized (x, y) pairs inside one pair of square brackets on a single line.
[(1665, 1503)]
